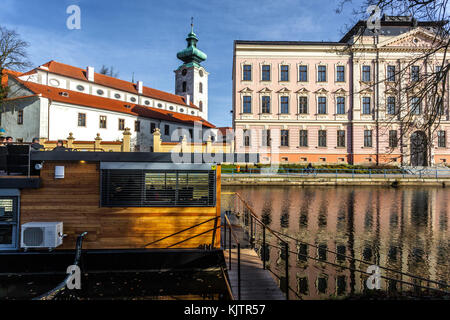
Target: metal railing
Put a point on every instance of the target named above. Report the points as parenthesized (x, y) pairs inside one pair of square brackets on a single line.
[(250, 218), (50, 295), (231, 235), (430, 172), (252, 222)]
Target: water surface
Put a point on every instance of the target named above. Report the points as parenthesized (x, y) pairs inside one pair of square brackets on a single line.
[(404, 229)]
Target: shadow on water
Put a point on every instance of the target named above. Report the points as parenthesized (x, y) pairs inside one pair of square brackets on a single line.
[(404, 229)]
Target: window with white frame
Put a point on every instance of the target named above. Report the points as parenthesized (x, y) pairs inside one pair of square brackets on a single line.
[(321, 73), (340, 105), (303, 105), (340, 74), (265, 104), (265, 72), (303, 73), (247, 104), (322, 105), (284, 104), (247, 72), (284, 73), (366, 105)]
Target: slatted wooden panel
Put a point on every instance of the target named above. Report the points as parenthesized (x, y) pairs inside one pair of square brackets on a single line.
[(75, 201)]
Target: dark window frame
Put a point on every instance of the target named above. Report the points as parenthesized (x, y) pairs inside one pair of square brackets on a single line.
[(284, 138), (247, 74), (247, 104), (130, 188), (340, 143), (340, 73), (303, 138)]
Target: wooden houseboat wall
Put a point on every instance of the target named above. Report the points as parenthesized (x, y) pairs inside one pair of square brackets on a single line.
[(76, 200)]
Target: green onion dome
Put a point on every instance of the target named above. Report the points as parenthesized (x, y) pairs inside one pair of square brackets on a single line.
[(191, 54)]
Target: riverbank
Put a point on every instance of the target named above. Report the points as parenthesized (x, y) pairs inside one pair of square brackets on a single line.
[(331, 180)]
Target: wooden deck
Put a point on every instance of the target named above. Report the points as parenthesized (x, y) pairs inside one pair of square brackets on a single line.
[(256, 283)]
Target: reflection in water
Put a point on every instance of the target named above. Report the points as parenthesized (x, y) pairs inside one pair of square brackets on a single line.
[(404, 229)]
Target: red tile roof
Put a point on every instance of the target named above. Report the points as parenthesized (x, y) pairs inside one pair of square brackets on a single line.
[(87, 100), (107, 81), (5, 73)]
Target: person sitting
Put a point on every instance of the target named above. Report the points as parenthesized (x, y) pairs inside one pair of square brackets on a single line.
[(59, 146), (309, 168), (2, 141), (35, 145), (9, 140)]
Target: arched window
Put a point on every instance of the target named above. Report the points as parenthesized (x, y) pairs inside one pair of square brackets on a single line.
[(184, 86), (200, 105), (200, 87)]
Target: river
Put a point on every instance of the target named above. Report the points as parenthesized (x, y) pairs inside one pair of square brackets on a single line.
[(401, 229)]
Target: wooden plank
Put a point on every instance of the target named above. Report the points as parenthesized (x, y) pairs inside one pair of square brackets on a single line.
[(75, 201), (256, 283)]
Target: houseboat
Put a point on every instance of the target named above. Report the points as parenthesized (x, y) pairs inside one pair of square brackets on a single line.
[(135, 211)]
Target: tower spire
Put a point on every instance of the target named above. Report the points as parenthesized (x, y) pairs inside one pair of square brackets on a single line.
[(192, 24)]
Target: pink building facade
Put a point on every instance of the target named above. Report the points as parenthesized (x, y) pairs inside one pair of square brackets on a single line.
[(335, 102)]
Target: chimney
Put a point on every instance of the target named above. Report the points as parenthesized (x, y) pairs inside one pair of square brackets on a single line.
[(140, 86), (187, 99), (90, 74)]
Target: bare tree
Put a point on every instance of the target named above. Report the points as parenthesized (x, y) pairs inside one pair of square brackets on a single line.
[(108, 71), (423, 96), (13, 55)]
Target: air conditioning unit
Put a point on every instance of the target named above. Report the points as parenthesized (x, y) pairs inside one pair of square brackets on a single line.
[(41, 234)]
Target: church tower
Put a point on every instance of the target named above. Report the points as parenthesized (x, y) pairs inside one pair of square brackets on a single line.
[(191, 79)]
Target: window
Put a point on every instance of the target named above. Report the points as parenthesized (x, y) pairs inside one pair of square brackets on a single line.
[(284, 73), (391, 105), (265, 138), (121, 124), (303, 138), (137, 126), (440, 110), (415, 73), (284, 107), (415, 106), (393, 142), (117, 96), (366, 73), (366, 105), (284, 138), (322, 105), (442, 141), (247, 100), (184, 86), (82, 119), (322, 138), (265, 104), (80, 88), (166, 129), (200, 87), (191, 135), (391, 73), (265, 73), (20, 117), (303, 73), (302, 105), (100, 92), (247, 76), (321, 74), (200, 105), (341, 138), (340, 105), (102, 124), (368, 138), (133, 99), (152, 127), (340, 74), (147, 188), (246, 138)]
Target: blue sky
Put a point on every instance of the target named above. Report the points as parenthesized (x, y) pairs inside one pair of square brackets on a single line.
[(143, 36)]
